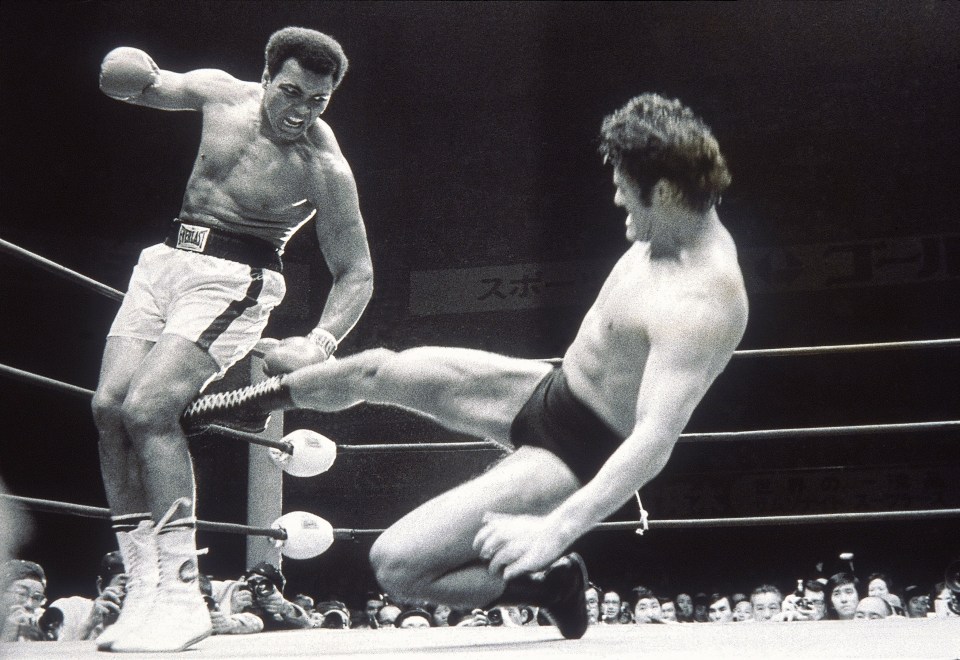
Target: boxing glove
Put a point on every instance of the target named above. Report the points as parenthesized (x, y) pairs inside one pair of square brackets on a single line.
[(127, 72)]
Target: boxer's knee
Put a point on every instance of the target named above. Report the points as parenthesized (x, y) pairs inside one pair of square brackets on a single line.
[(107, 408), (147, 414)]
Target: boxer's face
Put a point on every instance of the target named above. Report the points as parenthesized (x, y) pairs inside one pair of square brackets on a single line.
[(294, 98)]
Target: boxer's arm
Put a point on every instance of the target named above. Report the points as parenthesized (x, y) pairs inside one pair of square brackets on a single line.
[(343, 242), (131, 75)]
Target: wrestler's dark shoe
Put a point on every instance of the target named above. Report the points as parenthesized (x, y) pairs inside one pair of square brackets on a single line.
[(566, 582), (246, 409)]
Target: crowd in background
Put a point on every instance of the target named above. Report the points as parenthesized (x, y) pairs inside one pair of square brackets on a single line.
[(255, 602)]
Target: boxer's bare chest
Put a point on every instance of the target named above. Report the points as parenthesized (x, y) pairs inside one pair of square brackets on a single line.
[(260, 176)]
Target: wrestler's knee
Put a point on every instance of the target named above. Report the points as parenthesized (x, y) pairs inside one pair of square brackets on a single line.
[(396, 571)]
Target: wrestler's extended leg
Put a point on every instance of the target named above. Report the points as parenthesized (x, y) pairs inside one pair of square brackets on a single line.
[(466, 390), (428, 554)]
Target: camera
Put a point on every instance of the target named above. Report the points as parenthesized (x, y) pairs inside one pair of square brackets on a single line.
[(260, 588), (495, 617), (801, 602)]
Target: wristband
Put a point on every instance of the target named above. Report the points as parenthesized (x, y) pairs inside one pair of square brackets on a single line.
[(324, 339)]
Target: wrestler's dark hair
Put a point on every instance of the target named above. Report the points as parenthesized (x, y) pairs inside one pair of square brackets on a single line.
[(653, 138), (315, 51)]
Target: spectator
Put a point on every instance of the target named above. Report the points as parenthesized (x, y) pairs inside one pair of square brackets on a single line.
[(331, 614), (812, 606), (718, 608), (83, 618), (264, 582), (684, 608), (592, 595), (766, 601), (668, 610), (413, 618), (879, 584), (24, 585), (441, 615), (701, 612), (387, 615), (918, 602), (647, 607), (610, 610), (742, 610), (873, 607), (843, 596), (943, 601), (368, 619), (528, 615), (305, 602), (240, 622)]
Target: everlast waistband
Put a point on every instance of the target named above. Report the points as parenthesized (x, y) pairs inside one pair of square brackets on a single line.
[(218, 243)]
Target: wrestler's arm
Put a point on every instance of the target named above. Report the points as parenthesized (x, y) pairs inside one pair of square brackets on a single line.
[(689, 347), (131, 75), (342, 238)]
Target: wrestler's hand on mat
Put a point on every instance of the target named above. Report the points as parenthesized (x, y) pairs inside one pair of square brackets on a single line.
[(518, 544), (290, 354)]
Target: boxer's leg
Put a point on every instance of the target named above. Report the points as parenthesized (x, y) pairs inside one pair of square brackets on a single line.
[(119, 462)]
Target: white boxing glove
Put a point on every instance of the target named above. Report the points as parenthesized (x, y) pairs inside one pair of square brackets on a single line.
[(127, 72)]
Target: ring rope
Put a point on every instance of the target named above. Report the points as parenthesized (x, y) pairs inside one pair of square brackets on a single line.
[(757, 352), (56, 268), (44, 381), (758, 434), (52, 506)]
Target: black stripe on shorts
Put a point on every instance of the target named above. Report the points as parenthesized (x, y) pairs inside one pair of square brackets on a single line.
[(233, 311)]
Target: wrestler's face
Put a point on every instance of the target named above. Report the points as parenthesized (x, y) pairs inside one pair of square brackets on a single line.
[(627, 197), (294, 98)]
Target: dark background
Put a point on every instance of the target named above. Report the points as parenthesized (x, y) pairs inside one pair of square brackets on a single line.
[(471, 130)]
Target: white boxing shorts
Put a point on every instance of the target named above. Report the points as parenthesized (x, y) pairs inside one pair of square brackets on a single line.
[(220, 305)]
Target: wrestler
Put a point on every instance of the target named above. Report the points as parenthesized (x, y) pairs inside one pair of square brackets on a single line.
[(198, 302), (588, 433)]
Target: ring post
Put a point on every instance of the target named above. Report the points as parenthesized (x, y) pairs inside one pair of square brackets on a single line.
[(264, 485)]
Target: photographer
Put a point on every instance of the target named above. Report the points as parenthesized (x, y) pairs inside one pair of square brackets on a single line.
[(810, 606), (235, 623), (82, 618), (23, 587), (260, 592)]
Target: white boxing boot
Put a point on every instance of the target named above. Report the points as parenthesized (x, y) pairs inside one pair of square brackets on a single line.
[(179, 617), (138, 548)]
